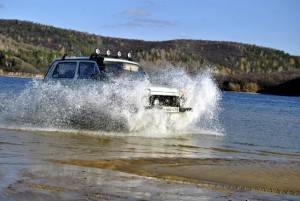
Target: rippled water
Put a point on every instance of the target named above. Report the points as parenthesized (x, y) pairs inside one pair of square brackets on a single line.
[(261, 122), (235, 126)]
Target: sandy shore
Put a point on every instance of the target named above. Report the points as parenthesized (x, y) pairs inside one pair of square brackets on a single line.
[(150, 179), (268, 176), (60, 166)]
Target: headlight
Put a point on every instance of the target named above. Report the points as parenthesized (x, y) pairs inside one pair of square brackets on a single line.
[(129, 55), (156, 102), (119, 54), (97, 51), (108, 53)]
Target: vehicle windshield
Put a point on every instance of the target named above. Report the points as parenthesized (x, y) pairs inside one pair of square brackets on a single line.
[(120, 69)]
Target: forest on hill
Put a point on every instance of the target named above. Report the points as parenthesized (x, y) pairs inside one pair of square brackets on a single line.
[(27, 47)]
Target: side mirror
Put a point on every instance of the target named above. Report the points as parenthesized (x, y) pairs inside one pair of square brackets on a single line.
[(99, 76), (95, 76)]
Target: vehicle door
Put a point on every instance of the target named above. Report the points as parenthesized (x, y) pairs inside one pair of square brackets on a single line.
[(64, 72), (87, 70)]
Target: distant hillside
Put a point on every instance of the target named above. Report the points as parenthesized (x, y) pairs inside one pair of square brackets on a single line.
[(29, 47)]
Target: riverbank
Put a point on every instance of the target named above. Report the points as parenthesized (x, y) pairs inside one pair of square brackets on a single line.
[(225, 174), (178, 179), (289, 88), (20, 74)]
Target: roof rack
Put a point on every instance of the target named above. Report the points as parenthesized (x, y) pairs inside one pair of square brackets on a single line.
[(64, 56), (108, 53)]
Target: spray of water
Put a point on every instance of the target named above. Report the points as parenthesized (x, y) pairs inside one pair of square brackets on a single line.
[(114, 107)]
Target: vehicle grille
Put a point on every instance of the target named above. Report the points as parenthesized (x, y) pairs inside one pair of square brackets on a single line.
[(170, 101)]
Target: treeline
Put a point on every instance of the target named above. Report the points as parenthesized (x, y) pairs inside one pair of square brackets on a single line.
[(30, 47)]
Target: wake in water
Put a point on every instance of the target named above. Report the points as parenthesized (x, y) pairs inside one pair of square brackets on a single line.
[(115, 106)]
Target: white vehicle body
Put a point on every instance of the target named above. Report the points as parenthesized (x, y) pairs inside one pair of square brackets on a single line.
[(164, 91), (65, 69)]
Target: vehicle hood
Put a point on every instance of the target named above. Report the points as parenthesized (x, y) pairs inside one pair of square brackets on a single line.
[(166, 91)]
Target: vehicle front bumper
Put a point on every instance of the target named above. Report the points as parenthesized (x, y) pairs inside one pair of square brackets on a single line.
[(169, 109)]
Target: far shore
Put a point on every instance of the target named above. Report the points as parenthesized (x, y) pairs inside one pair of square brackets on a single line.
[(21, 75), (271, 91)]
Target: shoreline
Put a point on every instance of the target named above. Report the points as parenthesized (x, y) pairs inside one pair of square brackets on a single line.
[(40, 76), (212, 173), (23, 75)]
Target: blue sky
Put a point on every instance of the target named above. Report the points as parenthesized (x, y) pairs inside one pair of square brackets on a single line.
[(270, 23)]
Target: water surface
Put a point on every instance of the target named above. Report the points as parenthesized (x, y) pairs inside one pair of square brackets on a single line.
[(250, 136)]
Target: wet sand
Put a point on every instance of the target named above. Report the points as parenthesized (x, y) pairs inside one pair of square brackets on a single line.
[(73, 166), (56, 181), (261, 175)]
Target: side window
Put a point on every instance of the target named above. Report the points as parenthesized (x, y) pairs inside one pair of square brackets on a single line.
[(86, 70), (65, 70), (114, 68)]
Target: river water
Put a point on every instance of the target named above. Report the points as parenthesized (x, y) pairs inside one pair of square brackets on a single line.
[(236, 146)]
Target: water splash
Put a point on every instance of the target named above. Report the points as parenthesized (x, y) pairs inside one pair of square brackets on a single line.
[(114, 107)]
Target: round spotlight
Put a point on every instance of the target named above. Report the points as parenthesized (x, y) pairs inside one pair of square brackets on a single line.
[(97, 51), (129, 55), (108, 52), (119, 54)]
